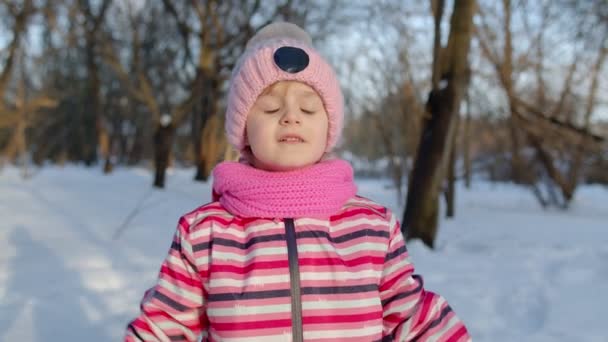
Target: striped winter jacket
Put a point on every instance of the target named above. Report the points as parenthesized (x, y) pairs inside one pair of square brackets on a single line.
[(228, 278)]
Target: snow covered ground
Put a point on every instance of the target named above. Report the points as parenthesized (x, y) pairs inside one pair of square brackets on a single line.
[(70, 272)]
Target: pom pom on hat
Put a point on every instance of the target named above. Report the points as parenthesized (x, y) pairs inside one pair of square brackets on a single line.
[(281, 52), (280, 30)]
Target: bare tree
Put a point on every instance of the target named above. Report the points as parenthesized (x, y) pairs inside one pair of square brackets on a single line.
[(384, 94), (20, 15), (550, 133), (212, 34), (216, 42), (148, 89), (17, 112), (94, 121), (25, 106)]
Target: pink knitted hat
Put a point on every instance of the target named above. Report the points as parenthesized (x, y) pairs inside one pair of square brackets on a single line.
[(281, 52)]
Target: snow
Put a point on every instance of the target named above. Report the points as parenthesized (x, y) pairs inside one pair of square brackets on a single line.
[(511, 270)]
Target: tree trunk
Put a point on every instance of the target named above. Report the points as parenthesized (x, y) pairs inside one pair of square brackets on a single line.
[(108, 167), (105, 146), (519, 173), (208, 104), (201, 171), (467, 144), (450, 194), (17, 146), (198, 139), (215, 142), (421, 212), (206, 81), (420, 216), (95, 130), (92, 120), (163, 140)]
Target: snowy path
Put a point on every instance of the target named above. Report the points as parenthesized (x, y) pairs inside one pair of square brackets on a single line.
[(512, 271)]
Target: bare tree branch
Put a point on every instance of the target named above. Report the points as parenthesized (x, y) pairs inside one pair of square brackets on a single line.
[(21, 19)]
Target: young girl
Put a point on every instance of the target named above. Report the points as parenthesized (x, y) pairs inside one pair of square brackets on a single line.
[(287, 251)]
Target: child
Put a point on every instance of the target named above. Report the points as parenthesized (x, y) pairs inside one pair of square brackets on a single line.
[(287, 251)]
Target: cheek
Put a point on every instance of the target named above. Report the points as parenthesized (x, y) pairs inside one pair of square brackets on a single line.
[(254, 132), (322, 130)]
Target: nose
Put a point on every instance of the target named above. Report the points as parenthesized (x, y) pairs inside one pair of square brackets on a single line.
[(291, 116)]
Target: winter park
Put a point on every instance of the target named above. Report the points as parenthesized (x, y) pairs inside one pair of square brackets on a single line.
[(369, 170)]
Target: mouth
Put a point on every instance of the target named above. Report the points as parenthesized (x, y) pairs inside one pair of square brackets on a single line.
[(291, 139)]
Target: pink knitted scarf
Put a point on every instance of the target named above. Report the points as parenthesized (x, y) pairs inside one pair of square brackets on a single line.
[(319, 190)]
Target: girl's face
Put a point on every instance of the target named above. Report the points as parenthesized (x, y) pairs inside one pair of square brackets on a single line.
[(287, 127)]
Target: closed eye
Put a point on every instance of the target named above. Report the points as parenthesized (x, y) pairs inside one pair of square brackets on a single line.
[(272, 111), (308, 111)]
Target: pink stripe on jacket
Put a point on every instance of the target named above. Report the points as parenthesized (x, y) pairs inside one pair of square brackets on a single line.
[(227, 279)]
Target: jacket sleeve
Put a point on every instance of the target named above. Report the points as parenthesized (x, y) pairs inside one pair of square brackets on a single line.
[(410, 313), (174, 309)]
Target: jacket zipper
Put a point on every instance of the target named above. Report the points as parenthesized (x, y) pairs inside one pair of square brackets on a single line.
[(294, 277)]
